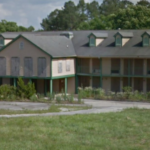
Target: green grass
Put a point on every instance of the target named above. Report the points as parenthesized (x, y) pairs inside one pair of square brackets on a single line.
[(127, 130), (52, 108)]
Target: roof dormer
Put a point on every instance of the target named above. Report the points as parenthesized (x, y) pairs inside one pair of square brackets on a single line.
[(121, 38), (96, 38), (145, 38)]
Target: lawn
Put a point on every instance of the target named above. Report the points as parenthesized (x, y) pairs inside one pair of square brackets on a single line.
[(127, 130)]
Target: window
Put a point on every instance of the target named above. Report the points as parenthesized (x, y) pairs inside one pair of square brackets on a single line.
[(1, 41), (59, 67), (42, 67), (21, 45), (118, 41), (67, 65), (28, 67), (92, 41), (145, 40), (15, 66)]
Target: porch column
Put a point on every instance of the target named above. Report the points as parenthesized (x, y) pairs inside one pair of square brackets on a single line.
[(15, 82), (145, 67), (66, 85), (30, 80), (122, 67), (133, 84), (121, 84), (101, 77), (129, 72), (144, 85), (76, 84), (45, 88), (91, 67), (51, 86)]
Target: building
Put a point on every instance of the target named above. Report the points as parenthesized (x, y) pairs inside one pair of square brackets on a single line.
[(54, 61)]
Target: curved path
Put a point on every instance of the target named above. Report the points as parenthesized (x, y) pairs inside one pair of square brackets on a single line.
[(99, 106)]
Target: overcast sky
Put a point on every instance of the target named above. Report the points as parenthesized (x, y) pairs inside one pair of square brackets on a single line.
[(31, 12)]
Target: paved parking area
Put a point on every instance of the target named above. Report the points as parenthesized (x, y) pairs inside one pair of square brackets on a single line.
[(99, 106)]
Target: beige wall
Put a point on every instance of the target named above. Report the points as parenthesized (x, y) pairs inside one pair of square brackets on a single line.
[(64, 72), (106, 66), (71, 85), (125, 40), (107, 84), (28, 51), (6, 41), (99, 41)]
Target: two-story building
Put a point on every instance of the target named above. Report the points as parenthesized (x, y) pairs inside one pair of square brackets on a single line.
[(110, 59)]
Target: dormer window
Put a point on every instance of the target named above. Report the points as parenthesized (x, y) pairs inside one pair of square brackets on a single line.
[(96, 38), (145, 38), (92, 41), (121, 38), (118, 40), (1, 41)]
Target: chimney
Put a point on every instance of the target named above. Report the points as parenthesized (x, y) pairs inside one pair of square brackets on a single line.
[(69, 35)]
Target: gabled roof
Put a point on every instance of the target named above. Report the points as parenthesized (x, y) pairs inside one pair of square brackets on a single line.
[(125, 34), (99, 35), (55, 46), (13, 35), (146, 32)]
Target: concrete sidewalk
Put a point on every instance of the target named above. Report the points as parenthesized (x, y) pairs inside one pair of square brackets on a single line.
[(99, 106)]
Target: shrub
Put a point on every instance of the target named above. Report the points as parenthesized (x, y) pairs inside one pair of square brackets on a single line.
[(127, 91), (25, 91), (6, 90), (58, 99), (51, 96), (34, 98)]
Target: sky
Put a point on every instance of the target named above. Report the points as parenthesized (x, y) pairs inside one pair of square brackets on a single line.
[(31, 12)]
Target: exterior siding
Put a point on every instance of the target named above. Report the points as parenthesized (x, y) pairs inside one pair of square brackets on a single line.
[(28, 51), (55, 71)]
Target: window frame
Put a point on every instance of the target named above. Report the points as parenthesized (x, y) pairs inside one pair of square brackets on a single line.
[(93, 43), (21, 45), (145, 37), (116, 42)]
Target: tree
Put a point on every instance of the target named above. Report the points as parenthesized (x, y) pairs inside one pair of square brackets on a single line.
[(143, 3), (133, 17), (93, 10)]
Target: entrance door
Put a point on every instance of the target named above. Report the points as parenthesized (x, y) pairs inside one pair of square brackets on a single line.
[(61, 85)]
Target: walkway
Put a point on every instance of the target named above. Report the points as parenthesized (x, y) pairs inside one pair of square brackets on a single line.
[(99, 106)]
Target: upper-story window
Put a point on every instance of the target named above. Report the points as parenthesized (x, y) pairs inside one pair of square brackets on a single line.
[(92, 41), (145, 40), (21, 45), (1, 41), (67, 65), (59, 67), (118, 41)]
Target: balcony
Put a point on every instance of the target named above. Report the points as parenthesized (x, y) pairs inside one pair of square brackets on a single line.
[(83, 69)]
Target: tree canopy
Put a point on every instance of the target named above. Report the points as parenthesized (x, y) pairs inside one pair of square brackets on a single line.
[(8, 26), (110, 14)]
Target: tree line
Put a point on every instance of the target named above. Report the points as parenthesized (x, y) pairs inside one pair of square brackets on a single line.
[(8, 26), (110, 14)]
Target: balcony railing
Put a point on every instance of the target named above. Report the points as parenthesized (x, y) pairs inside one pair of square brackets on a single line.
[(83, 69)]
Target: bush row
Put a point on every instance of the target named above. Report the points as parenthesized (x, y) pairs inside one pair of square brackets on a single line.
[(127, 94)]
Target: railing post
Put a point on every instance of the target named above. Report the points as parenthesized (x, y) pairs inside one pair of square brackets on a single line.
[(45, 89), (66, 85), (15, 82)]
